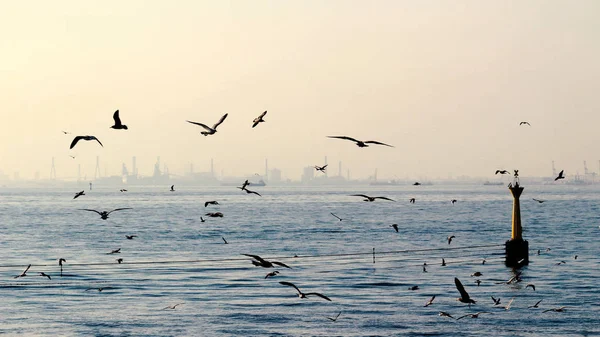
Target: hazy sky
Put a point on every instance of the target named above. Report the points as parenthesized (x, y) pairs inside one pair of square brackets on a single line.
[(446, 82)]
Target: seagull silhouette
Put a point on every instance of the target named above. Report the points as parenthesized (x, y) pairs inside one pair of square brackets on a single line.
[(368, 198), (445, 314), (453, 201), (430, 302), (224, 241), (502, 172), (119, 261), (413, 288), (450, 238), (476, 315), (78, 194), (209, 130), (416, 183), (530, 285), (395, 227), (211, 203), (250, 192), (259, 119), (360, 143), (45, 275), (333, 319), (116, 251), (561, 309), (443, 262), (340, 219), (260, 262), (130, 237), (24, 273), (560, 175), (271, 274), (301, 294), (496, 300), (78, 138), (524, 123), (476, 274), (464, 296), (118, 125), (172, 188), (538, 200), (202, 219), (321, 168), (412, 200), (215, 214), (104, 214), (536, 305)]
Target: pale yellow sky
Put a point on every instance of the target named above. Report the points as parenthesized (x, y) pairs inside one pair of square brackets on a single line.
[(446, 82)]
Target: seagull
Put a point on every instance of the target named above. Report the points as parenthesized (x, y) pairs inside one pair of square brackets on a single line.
[(450, 238), (507, 307), (416, 183), (271, 274), (119, 261), (360, 143), (259, 119), (443, 262), (515, 278), (104, 214), (78, 194), (502, 172), (209, 130), (453, 201), (530, 285), (215, 215), (370, 199), (535, 305), (333, 319), (116, 251), (413, 288), (445, 314), (538, 200), (560, 175), (246, 183), (60, 263), (202, 219), (304, 295), (524, 123), (430, 302), (321, 168), (211, 203), (412, 200), (45, 275), (24, 273), (224, 241), (260, 262), (340, 219), (130, 237), (575, 257), (118, 124), (473, 315), (78, 138), (172, 307), (172, 188), (251, 192), (561, 309), (122, 190), (477, 274), (464, 296), (395, 227), (496, 300)]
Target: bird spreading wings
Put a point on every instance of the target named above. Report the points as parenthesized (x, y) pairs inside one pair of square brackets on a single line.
[(259, 119), (78, 138), (360, 143), (209, 130), (301, 294)]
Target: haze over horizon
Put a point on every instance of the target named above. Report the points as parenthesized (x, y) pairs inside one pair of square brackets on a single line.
[(446, 83)]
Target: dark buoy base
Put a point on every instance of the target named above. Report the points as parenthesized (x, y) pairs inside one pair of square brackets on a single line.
[(517, 253)]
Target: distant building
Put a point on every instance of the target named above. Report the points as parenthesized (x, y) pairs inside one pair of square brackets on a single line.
[(275, 176), (308, 174)]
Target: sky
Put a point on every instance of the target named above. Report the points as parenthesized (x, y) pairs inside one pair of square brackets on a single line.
[(447, 83)]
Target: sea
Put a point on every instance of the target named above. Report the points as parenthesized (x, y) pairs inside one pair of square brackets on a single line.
[(178, 277)]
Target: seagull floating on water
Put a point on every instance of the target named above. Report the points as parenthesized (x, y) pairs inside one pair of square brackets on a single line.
[(259, 119), (304, 295), (78, 138), (118, 125), (209, 130), (360, 143)]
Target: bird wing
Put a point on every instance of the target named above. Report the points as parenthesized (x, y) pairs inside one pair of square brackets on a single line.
[(91, 210), (344, 137), (291, 285), (384, 198), (26, 269), (206, 203), (263, 114), (256, 257), (202, 125), (536, 304), (98, 140), (463, 293), (317, 294), (75, 140), (220, 121), (509, 303), (248, 191), (119, 209), (281, 264), (461, 317), (360, 195), (116, 118), (376, 142), (336, 216)]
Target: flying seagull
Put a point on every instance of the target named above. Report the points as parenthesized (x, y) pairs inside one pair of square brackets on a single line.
[(104, 214), (130, 237), (464, 296), (445, 314), (250, 192), (496, 300), (215, 215), (430, 302), (172, 307), (538, 200), (561, 309), (210, 203), (116, 251), (118, 125), (24, 273), (209, 130), (78, 194), (507, 307), (224, 241), (395, 227), (536, 305), (340, 219), (66, 133), (260, 262), (524, 123), (560, 175), (453, 201), (416, 183), (333, 319), (530, 285), (476, 315), (301, 294), (271, 274), (258, 119), (45, 275), (412, 200), (450, 238), (78, 138), (321, 168), (119, 261), (202, 219), (360, 143), (502, 172), (370, 199)]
